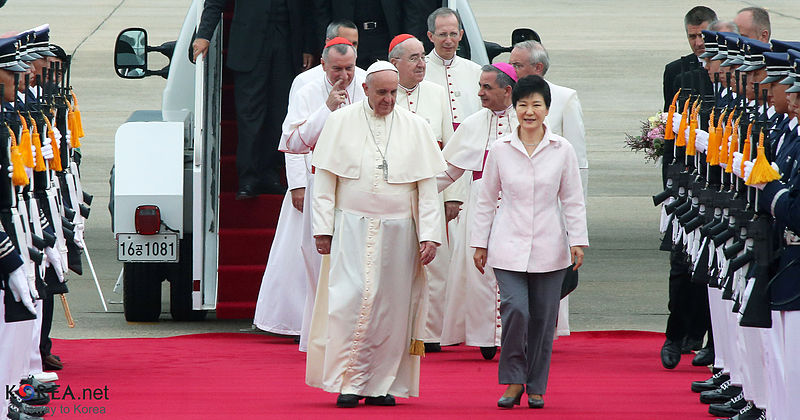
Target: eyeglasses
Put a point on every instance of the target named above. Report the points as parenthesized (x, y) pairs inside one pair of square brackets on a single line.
[(414, 58), (444, 35)]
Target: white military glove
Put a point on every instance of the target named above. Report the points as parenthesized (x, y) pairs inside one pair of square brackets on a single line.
[(676, 122), (54, 259), (737, 164), (47, 150), (33, 150), (79, 235), (32, 285), (18, 283), (56, 133), (701, 140), (10, 170)]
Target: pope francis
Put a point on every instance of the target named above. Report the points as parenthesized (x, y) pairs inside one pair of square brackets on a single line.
[(376, 213)]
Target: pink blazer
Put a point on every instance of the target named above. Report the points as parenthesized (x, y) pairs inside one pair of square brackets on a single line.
[(542, 212)]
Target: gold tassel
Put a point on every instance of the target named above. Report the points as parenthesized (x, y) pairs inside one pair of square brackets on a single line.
[(726, 133), (55, 162), (18, 176), (39, 165), (668, 133), (691, 149), (734, 147), (25, 142), (746, 147), (762, 171), (417, 348), (681, 139), (71, 126), (78, 119), (714, 143), (711, 134)]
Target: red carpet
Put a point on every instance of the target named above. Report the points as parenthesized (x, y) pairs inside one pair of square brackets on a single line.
[(594, 375)]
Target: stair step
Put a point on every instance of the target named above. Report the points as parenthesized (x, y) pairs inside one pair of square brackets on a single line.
[(240, 283), (245, 245), (236, 310), (258, 212)]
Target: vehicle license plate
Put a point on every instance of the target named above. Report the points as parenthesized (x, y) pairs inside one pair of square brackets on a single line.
[(160, 248)]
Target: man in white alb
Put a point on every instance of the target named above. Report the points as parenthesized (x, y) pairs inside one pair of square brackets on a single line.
[(376, 212), (337, 86)]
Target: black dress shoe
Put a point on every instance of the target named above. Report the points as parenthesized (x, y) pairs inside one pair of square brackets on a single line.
[(722, 394), (384, 400), (670, 354), (510, 402), (750, 412), (711, 383), (245, 192), (535, 402), (347, 400), (15, 413), (704, 357), (433, 348), (488, 352), (51, 363), (730, 408), (44, 387), (691, 344), (31, 410)]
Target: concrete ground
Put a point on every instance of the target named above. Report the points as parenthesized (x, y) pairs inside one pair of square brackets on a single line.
[(611, 52)]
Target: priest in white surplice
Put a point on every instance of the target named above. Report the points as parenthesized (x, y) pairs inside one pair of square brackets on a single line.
[(457, 75), (429, 101), (376, 212), (338, 85), (472, 299)]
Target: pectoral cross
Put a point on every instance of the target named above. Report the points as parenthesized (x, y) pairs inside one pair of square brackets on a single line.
[(385, 167)]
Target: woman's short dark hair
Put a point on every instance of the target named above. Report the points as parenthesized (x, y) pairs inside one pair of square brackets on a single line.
[(530, 85)]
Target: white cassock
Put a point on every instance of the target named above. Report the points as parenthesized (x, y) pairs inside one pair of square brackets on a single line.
[(304, 120), (460, 78), (15, 351), (565, 118), (315, 73), (430, 101), (472, 303), (282, 297), (367, 309)]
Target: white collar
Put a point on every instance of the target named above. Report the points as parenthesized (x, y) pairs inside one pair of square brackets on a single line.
[(502, 113), (444, 62)]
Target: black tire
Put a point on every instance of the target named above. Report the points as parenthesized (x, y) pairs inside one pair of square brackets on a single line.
[(180, 289), (141, 289)]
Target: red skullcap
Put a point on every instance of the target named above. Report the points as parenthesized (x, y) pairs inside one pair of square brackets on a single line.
[(398, 39), (338, 40)]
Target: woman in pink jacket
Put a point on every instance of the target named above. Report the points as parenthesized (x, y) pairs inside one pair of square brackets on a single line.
[(530, 239)]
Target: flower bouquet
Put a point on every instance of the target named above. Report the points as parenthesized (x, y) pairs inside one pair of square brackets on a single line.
[(651, 139)]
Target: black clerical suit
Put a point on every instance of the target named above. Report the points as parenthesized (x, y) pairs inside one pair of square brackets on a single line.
[(265, 50), (378, 21)]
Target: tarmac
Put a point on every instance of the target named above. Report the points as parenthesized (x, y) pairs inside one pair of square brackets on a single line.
[(612, 52)]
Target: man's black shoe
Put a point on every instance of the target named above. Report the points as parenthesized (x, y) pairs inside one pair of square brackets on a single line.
[(730, 408), (711, 383), (52, 362), (433, 348), (31, 410), (347, 400), (385, 400), (488, 352), (691, 344), (724, 393), (45, 387), (245, 192), (670, 354), (16, 413), (38, 398), (750, 412), (704, 357)]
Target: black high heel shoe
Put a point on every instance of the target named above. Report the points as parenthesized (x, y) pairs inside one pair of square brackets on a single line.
[(535, 402), (510, 402)]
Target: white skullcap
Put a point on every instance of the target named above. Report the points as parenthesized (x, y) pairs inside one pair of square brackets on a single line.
[(380, 66)]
